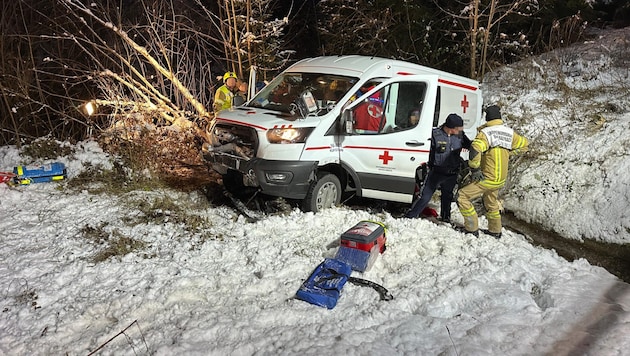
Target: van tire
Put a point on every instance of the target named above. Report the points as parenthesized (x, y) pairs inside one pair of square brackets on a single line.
[(323, 194)]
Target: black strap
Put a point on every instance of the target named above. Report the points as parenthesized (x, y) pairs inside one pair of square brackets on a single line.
[(382, 292), (333, 275), (250, 216)]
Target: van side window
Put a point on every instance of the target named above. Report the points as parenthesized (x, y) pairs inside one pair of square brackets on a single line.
[(409, 104), (394, 108)]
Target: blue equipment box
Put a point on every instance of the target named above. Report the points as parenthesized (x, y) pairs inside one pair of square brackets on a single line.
[(323, 286), (40, 174), (359, 260)]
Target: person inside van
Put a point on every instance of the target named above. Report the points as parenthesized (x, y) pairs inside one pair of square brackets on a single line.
[(368, 116), (409, 103), (413, 118), (412, 121), (447, 142)]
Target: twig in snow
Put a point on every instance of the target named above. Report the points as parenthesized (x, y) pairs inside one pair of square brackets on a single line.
[(450, 338), (122, 332)]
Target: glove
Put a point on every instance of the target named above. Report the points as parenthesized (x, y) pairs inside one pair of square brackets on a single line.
[(476, 175)]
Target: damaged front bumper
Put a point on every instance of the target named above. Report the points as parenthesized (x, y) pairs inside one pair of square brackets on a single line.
[(287, 179)]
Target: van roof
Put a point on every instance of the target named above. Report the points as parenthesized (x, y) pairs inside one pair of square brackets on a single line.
[(357, 66)]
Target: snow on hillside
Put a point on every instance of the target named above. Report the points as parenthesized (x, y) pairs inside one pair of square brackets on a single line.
[(574, 105), (226, 286)]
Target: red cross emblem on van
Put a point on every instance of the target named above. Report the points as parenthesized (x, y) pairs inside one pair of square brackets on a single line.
[(465, 103), (385, 157)]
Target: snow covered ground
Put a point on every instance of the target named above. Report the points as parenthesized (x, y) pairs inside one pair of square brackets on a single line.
[(574, 106), (227, 288)]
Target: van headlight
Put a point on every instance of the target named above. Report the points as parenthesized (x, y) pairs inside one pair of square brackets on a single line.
[(289, 135)]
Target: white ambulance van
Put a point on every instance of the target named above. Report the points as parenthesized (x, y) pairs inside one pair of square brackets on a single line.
[(339, 124)]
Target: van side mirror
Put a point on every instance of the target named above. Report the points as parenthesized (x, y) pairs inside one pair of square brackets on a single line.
[(348, 121)]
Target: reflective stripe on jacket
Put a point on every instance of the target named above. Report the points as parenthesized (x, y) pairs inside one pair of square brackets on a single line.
[(494, 143)]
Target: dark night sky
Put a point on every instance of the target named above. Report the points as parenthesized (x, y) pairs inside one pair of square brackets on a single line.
[(301, 32)]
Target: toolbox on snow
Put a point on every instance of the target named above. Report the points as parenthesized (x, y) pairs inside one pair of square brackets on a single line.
[(364, 236), (361, 245), (50, 172), (358, 249)]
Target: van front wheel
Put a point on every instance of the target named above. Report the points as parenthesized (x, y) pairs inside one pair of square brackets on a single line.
[(323, 194)]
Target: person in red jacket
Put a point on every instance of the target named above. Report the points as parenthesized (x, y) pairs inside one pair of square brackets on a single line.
[(368, 116)]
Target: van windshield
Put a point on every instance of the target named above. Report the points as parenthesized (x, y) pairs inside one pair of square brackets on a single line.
[(321, 92)]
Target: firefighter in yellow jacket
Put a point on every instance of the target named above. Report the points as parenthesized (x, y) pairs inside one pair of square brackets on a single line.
[(490, 153), (224, 96)]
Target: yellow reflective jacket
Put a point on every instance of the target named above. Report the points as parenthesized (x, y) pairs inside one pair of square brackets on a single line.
[(222, 98), (494, 144)]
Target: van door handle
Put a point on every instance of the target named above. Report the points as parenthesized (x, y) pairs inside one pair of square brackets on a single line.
[(414, 143)]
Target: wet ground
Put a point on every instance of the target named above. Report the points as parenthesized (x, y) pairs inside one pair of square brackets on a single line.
[(614, 258)]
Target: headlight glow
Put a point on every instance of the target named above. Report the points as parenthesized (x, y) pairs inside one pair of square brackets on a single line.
[(289, 135)]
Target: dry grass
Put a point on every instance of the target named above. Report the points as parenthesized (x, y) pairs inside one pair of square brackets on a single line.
[(110, 243), (166, 209), (151, 159), (171, 155), (21, 294), (46, 148)]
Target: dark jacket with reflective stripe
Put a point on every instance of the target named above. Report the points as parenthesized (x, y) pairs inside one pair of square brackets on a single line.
[(445, 151)]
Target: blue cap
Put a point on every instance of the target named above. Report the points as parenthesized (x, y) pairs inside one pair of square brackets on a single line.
[(453, 121)]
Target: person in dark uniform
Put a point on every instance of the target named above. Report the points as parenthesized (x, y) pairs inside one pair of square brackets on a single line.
[(447, 142)]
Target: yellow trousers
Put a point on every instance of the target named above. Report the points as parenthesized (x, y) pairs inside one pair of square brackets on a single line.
[(490, 201)]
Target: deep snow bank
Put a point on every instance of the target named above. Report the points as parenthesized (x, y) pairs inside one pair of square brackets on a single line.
[(574, 106)]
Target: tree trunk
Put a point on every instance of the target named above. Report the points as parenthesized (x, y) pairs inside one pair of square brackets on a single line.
[(486, 38), (249, 33), (237, 45), (199, 107), (474, 27)]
